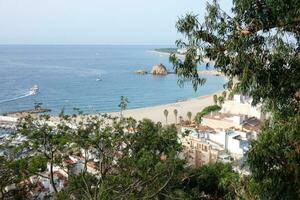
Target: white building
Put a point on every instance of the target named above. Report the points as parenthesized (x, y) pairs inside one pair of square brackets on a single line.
[(197, 148), (233, 141), (241, 105)]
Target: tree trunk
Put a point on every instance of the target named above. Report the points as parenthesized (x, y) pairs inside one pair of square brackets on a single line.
[(85, 160), (121, 114), (2, 194), (52, 175)]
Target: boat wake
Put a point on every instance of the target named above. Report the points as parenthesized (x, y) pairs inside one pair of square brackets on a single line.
[(31, 92)]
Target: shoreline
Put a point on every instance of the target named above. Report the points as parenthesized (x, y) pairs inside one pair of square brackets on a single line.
[(154, 113)]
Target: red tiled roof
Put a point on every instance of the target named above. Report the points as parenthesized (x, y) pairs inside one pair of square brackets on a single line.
[(252, 124), (204, 128)]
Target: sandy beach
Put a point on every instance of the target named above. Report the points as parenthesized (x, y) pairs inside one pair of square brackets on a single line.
[(155, 113)]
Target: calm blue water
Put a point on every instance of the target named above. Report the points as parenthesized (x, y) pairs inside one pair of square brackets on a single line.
[(66, 76)]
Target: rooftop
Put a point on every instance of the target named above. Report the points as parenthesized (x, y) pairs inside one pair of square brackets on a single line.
[(205, 128), (252, 124), (221, 116)]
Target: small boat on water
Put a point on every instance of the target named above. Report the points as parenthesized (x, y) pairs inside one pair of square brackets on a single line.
[(99, 78), (34, 90)]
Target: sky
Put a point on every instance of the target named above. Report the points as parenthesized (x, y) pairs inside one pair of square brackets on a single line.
[(95, 21)]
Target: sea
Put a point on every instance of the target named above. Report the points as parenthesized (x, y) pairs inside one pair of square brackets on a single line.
[(89, 77)]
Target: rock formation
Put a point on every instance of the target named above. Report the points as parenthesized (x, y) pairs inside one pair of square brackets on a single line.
[(141, 71), (159, 69)]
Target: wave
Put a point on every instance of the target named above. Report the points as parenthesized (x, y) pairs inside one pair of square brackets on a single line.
[(21, 96)]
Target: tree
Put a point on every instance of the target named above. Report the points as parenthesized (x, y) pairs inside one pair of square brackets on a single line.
[(189, 115), (215, 99), (14, 171), (274, 160), (143, 165), (257, 47), (249, 46), (139, 165), (166, 113), (48, 142), (6, 176), (83, 136), (180, 120), (221, 100), (224, 94), (37, 105), (123, 105), (81, 186), (175, 111), (212, 181), (230, 96), (205, 111)]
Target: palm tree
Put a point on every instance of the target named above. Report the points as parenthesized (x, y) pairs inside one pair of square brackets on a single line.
[(221, 100), (224, 94), (166, 113), (215, 99), (180, 120), (189, 115), (175, 111), (230, 96), (37, 105), (123, 105)]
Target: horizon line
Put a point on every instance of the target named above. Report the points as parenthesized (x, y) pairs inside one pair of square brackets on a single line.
[(86, 44)]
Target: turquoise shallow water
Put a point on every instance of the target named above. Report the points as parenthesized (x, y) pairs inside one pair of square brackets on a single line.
[(66, 76)]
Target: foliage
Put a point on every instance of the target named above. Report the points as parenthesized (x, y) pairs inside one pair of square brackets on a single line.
[(14, 171), (258, 48), (205, 111), (6, 173), (215, 99), (258, 45), (221, 100), (37, 105), (274, 160), (47, 141), (78, 185), (133, 166), (144, 164), (123, 105), (224, 94), (213, 181)]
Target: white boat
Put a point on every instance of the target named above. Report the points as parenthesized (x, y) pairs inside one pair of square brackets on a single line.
[(34, 90), (99, 78)]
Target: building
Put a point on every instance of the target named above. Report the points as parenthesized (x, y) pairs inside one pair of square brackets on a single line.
[(197, 148), (241, 105), (219, 120)]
